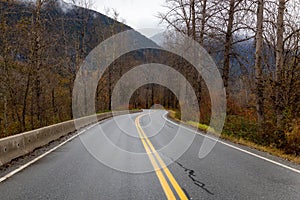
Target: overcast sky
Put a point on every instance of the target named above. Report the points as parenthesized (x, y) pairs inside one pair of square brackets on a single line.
[(138, 14)]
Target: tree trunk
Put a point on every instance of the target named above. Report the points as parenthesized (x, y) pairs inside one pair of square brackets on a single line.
[(203, 21), (193, 11), (258, 63), (228, 45), (25, 102), (37, 58), (109, 87), (279, 63)]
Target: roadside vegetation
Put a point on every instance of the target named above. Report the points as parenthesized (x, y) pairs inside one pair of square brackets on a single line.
[(243, 131)]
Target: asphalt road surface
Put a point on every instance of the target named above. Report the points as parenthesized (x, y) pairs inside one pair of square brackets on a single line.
[(88, 168)]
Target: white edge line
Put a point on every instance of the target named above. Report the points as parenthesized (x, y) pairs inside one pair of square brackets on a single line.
[(10, 174), (234, 147)]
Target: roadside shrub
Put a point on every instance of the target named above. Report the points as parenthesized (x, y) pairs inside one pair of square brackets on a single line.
[(272, 136), (293, 140), (266, 135), (202, 127), (239, 127), (279, 139), (178, 114)]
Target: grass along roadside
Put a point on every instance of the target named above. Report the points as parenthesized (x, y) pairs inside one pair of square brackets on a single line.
[(238, 140)]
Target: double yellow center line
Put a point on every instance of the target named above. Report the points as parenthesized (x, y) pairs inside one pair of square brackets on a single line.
[(159, 164)]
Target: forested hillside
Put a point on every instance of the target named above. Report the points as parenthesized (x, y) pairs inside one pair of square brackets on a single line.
[(255, 45), (43, 43)]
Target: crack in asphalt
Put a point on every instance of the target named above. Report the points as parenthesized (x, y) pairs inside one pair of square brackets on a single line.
[(170, 126), (192, 176)]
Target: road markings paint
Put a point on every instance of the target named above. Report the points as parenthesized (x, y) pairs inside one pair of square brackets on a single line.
[(166, 170), (158, 172), (234, 147), (151, 151)]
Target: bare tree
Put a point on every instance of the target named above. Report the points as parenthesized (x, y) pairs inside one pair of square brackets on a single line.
[(36, 57), (188, 17), (258, 63), (279, 61)]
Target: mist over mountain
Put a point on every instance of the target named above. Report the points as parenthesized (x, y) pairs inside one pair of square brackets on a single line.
[(158, 38), (73, 27), (242, 60)]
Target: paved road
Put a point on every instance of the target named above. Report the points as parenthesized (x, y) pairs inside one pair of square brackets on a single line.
[(72, 172)]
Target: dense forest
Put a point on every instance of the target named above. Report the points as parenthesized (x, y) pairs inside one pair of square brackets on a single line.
[(255, 44)]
